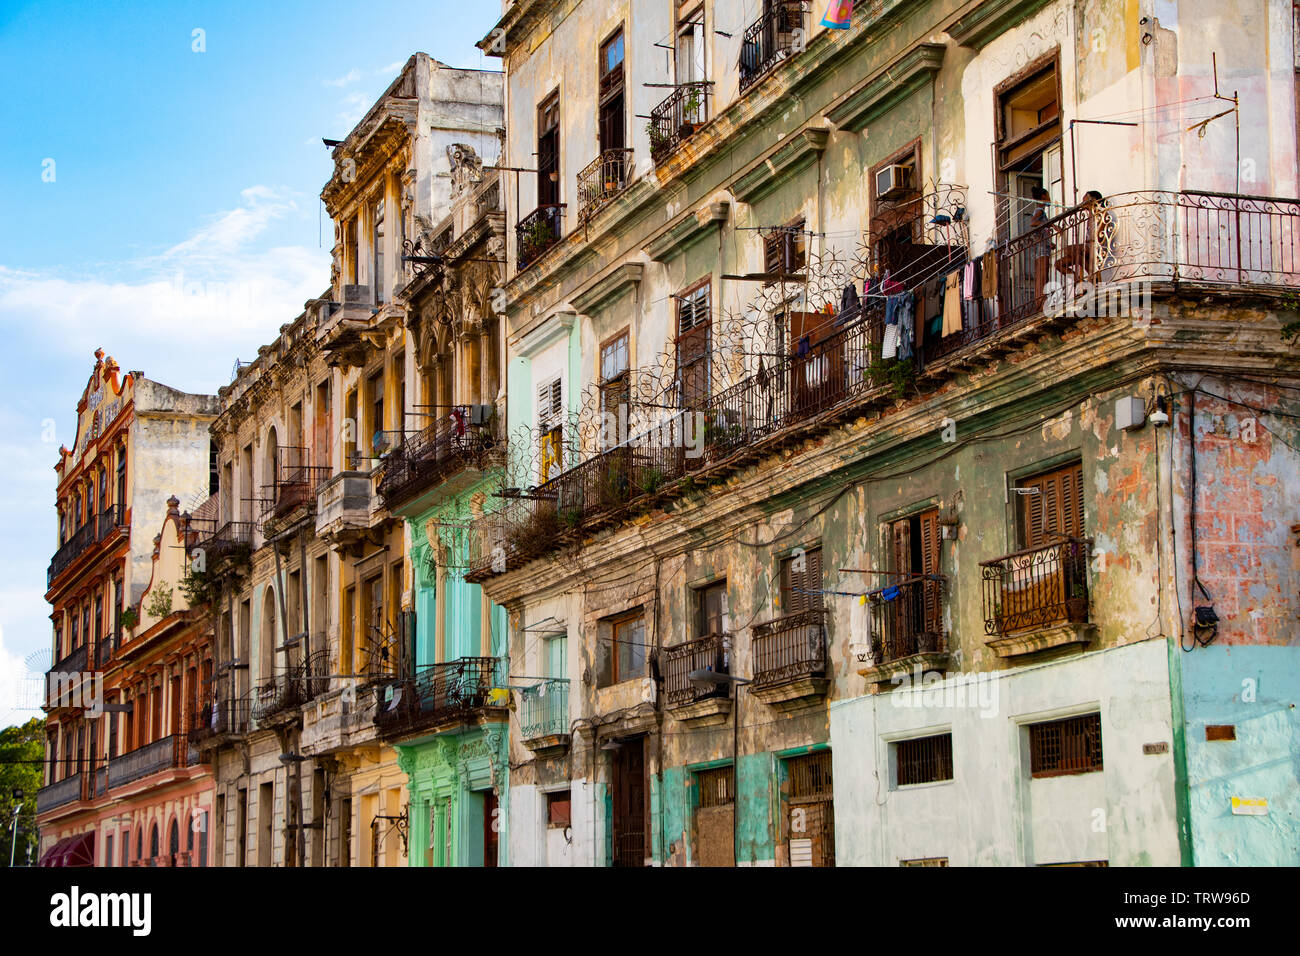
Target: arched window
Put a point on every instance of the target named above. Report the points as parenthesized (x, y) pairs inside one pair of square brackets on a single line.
[(153, 845), (174, 842), (90, 499), (126, 847), (266, 637), (272, 457), (139, 844)]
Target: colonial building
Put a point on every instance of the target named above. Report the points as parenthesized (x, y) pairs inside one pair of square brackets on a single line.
[(901, 433), (120, 784)]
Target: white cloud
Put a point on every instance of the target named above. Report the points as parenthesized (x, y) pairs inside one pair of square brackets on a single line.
[(391, 69), (351, 76), (19, 688), (352, 108)]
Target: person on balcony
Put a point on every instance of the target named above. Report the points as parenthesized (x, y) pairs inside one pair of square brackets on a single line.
[(1081, 259)]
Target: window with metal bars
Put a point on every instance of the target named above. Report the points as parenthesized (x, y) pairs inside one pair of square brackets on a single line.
[(924, 759), (717, 787), (1060, 747), (810, 775), (925, 861)]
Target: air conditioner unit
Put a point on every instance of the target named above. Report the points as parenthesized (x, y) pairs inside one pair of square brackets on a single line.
[(892, 180)]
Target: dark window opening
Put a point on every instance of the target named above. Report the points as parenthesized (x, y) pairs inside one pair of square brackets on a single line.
[(1067, 746), (924, 759)]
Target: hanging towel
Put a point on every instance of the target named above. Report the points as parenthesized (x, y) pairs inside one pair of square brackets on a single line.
[(990, 275), (952, 303), (968, 281), (838, 14), (889, 347)]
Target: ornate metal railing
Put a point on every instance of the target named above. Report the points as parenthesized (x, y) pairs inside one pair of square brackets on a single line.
[(708, 653), (907, 618), (602, 179), (781, 32), (163, 754), (80, 541), (226, 539), (303, 682), (452, 690), (436, 453), (789, 648), (219, 718), (60, 793), (544, 709), (537, 232), (677, 118), (1037, 587)]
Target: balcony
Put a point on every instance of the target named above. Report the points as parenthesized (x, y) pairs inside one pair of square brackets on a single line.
[(1038, 599), (676, 119), (544, 717), (438, 454), (537, 232), (218, 720), (278, 700), (775, 36), (601, 180), (688, 702), (168, 753), (907, 630), (295, 487), (790, 660), (66, 682), (346, 506), (438, 695), (226, 542), (60, 794)]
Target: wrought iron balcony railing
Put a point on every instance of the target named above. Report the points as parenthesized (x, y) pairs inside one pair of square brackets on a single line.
[(1037, 588), (708, 653), (226, 539), (537, 232), (220, 718), (295, 482), (603, 179), (907, 619), (775, 36), (60, 793), (302, 684), (544, 710), (435, 454), (80, 541), (789, 648), (438, 693), (110, 519), (676, 119), (163, 754)]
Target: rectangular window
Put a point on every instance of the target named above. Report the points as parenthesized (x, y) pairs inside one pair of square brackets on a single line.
[(694, 344), (351, 251), (559, 809), (925, 861), (375, 396), (548, 151), (614, 374), (785, 250), (611, 119), (348, 622), (801, 582), (350, 428), (689, 59), (924, 759), (621, 654), (1060, 747), (550, 429), (1028, 148), (711, 610), (1050, 509), (717, 787), (377, 277)]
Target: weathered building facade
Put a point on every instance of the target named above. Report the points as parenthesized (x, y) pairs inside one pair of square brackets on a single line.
[(121, 787), (877, 375)]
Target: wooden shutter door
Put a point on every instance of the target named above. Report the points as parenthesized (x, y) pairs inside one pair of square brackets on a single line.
[(1056, 511), (929, 521), (812, 579)]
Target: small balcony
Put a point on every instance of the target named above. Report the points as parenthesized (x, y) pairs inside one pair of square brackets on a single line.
[(439, 454), (226, 541), (1038, 598), (60, 794), (601, 180), (907, 630), (677, 118), (438, 695), (544, 717), (278, 700), (687, 701), (66, 682), (219, 720), (168, 753), (773, 37), (346, 507), (790, 664), (537, 232)]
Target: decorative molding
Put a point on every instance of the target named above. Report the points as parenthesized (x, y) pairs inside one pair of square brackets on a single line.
[(793, 156), (934, 662), (991, 19), (1042, 639), (555, 326), (877, 97), (686, 231), (609, 286)]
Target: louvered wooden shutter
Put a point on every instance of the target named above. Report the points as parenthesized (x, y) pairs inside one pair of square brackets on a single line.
[(801, 590), (901, 539), (929, 521), (1056, 511)]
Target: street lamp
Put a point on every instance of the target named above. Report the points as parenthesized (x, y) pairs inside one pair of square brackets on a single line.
[(18, 806), (709, 678)]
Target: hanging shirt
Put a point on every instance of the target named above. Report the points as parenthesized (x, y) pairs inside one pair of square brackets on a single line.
[(952, 303)]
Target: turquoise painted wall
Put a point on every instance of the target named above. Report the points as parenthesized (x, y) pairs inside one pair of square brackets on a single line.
[(1255, 689), (757, 793)]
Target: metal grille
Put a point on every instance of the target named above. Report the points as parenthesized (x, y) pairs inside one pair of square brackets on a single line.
[(925, 861), (925, 759), (1065, 746), (810, 775), (717, 787)]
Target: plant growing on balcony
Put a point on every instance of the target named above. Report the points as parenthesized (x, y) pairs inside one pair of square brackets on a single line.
[(691, 110), (160, 603), (538, 236), (657, 138), (898, 374), (650, 481), (129, 619)]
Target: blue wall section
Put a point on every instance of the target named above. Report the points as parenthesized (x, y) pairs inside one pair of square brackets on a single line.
[(1255, 689)]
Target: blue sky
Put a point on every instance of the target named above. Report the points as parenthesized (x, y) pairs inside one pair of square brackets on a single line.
[(163, 204)]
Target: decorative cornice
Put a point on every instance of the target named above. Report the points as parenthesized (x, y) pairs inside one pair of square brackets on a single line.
[(890, 88), (991, 19), (689, 229), (555, 326), (608, 286), (796, 154)]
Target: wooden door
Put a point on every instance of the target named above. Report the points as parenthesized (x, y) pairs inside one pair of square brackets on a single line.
[(629, 803), (490, 828), (817, 367)]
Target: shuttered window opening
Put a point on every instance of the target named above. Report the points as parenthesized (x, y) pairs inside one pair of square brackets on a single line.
[(694, 341), (925, 861), (785, 249), (1067, 746), (550, 418), (1052, 508), (801, 582), (810, 775), (717, 786), (924, 759), (915, 551), (712, 617)]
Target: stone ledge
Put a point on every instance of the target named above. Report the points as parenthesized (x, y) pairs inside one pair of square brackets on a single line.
[(792, 694), (702, 713), (933, 662), (1042, 639), (548, 744)]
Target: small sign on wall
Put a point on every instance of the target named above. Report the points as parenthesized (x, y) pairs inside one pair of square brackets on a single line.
[(1158, 748), (1250, 806)]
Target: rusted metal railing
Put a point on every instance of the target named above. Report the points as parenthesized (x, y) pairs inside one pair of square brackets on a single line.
[(537, 232), (434, 454), (603, 179), (1038, 587), (775, 36), (708, 653), (907, 618), (677, 118), (789, 648)]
